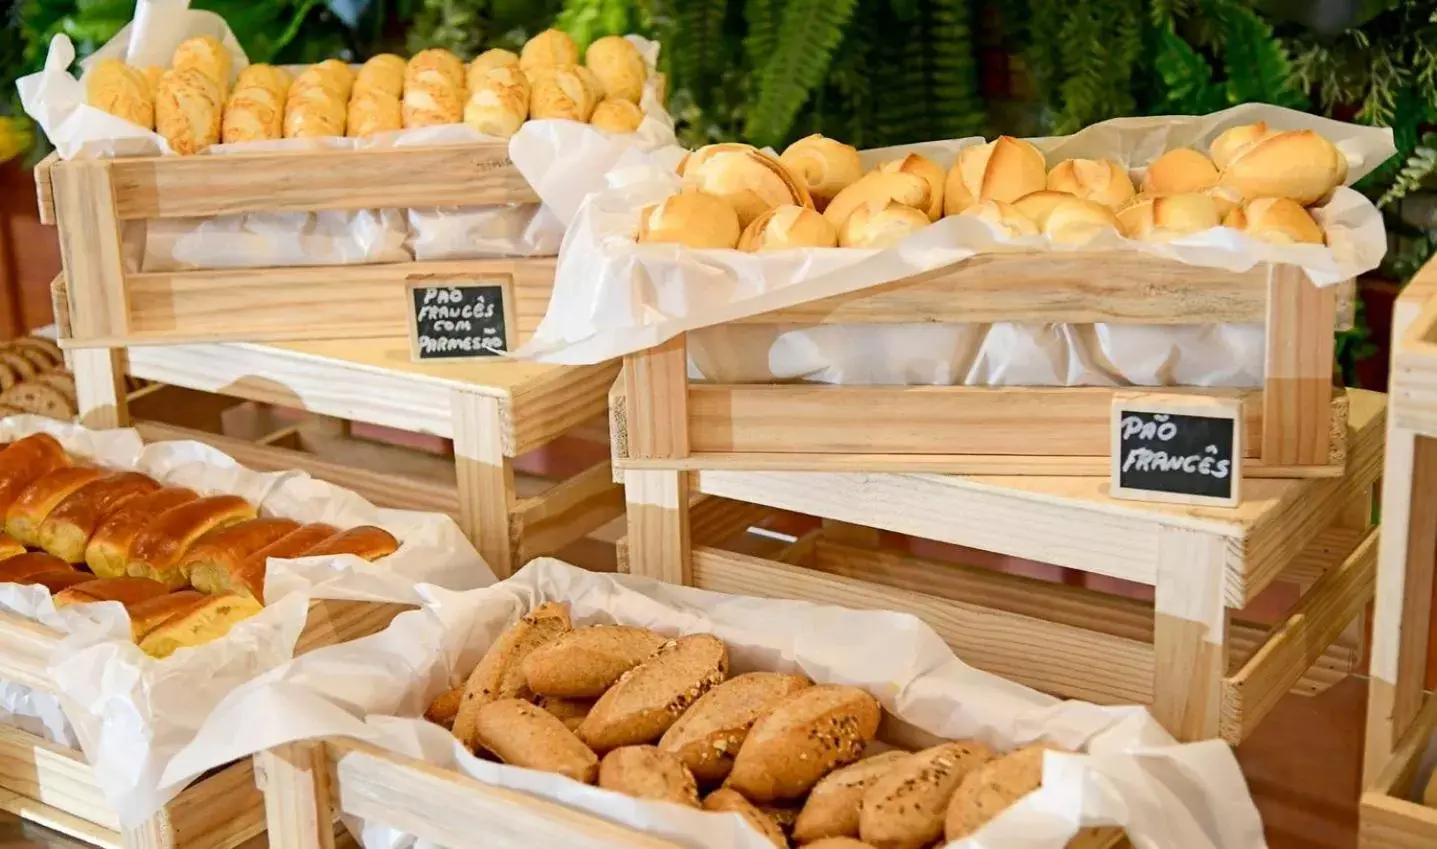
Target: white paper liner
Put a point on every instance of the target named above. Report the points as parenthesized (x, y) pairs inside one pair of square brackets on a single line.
[(613, 297), (1132, 775), (131, 713)]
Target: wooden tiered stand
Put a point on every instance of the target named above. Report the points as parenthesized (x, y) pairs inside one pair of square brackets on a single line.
[(1401, 714)]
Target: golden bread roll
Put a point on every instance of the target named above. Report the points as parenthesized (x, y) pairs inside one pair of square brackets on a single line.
[(188, 110), (313, 120), (24, 568), (1224, 198), (366, 542), (67, 529), (9, 547), (488, 61), (528, 736), (253, 114), (326, 81), (1297, 164), (152, 74), (127, 591), (1101, 180), (33, 505), (122, 91), (785, 227), (881, 226), (443, 709), (905, 808), (432, 104), (157, 552), (247, 578), (107, 553), (801, 739), (1076, 221), (1178, 172), (878, 189), (1037, 205), (499, 103), (709, 734), (838, 843), (1004, 169), (731, 801), (825, 166), (643, 704), (561, 94), (571, 712), (696, 158), (203, 620), (1281, 221), (267, 77), (1229, 141), (551, 48), (591, 82), (23, 461), (988, 790), (619, 67), (383, 74), (208, 56), (1163, 219), (372, 112), (1006, 218), (585, 662), (691, 218), (751, 181), (500, 673), (434, 67), (646, 772), (224, 550), (921, 166), (616, 116), (832, 806)]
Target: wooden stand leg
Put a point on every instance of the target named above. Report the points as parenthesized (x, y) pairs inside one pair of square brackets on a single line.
[(486, 479), (857, 536), (296, 784), (1357, 516), (658, 543), (1189, 634), (100, 387), (155, 833), (1297, 392)]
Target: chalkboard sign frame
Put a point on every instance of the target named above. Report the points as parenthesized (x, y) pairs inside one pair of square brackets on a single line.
[(1203, 406), (503, 282)]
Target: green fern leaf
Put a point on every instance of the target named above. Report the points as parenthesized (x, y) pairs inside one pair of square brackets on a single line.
[(958, 110), (1187, 84), (1257, 64), (762, 17), (1417, 168), (808, 33)]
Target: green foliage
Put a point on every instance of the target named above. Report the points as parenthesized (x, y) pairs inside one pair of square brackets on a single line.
[(1419, 166), (808, 33)]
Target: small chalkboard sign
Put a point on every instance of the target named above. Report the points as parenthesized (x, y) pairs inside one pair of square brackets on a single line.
[(1185, 449), (454, 318)]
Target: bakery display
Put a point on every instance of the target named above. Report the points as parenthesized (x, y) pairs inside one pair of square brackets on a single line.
[(89, 535), (33, 379)]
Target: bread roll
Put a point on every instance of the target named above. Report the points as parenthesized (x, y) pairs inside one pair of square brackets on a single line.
[(146, 614), (1163, 219), (209, 618), (330, 80), (650, 698), (825, 167), (317, 102), (551, 48), (500, 673), (1224, 199), (442, 710), (434, 67), (832, 807), (432, 104), (1233, 139), (58, 580), (372, 112), (837, 843), (253, 114), (1281, 221), (107, 553), (9, 547), (988, 790), (498, 102), (562, 94), (1178, 172), (524, 735), (313, 120), (905, 808), (697, 158), (750, 181), (122, 91), (489, 60), (878, 189), (188, 109), (802, 739), (1101, 180), (585, 662), (68, 528), (1004, 169), (274, 80), (207, 55), (382, 74), (152, 74), (786, 227), (158, 550), (30, 508), (616, 116), (247, 579), (1004, 218), (1076, 221), (365, 541), (24, 461), (690, 218), (876, 227), (619, 67), (571, 712), (646, 772), (223, 550), (23, 568), (1297, 164), (35, 397), (708, 736), (731, 801), (127, 591), (45, 346), (921, 166)]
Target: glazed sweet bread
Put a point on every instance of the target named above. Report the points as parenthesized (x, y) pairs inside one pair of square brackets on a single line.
[(188, 110), (198, 621), (122, 91), (246, 578), (127, 591), (158, 550), (366, 542), (31, 507), (224, 549), (108, 549), (24, 461), (23, 568), (9, 546)]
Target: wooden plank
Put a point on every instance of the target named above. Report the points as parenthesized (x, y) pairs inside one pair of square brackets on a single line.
[(1080, 287), (659, 530), (100, 388), (54, 776), (656, 385), (1189, 634), (568, 511), (555, 403), (474, 174), (220, 810), (180, 406), (90, 249), (60, 821), (332, 621), (1388, 823), (25, 650), (1298, 386), (486, 479), (45, 188), (297, 789)]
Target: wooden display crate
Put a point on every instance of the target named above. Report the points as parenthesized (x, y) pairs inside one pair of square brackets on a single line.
[(1204, 672), (1294, 424), (1401, 714), (112, 306)]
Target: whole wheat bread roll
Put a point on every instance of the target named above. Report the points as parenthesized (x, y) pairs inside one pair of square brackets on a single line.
[(906, 806), (831, 809), (651, 697), (708, 736), (499, 674), (729, 800), (583, 663), (988, 790), (802, 739), (647, 772), (525, 735)]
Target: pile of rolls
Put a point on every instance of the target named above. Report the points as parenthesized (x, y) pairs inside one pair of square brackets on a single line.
[(187, 567), (1253, 178), (33, 379), (661, 719), (192, 105)]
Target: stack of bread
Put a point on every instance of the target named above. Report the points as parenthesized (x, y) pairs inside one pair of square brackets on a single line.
[(33, 379), (187, 567), (660, 719), (1254, 179), (496, 93)]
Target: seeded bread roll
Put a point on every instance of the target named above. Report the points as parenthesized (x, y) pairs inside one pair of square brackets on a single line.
[(802, 739), (500, 674), (583, 663), (708, 736), (30, 509), (649, 698), (571, 712), (831, 809), (727, 800), (68, 528), (442, 710), (525, 735), (107, 553), (905, 807), (988, 790), (646, 772)]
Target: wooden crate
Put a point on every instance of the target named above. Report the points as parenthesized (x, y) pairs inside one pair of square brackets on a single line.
[(112, 306), (1401, 714), (52, 784), (1294, 422), (1204, 672)]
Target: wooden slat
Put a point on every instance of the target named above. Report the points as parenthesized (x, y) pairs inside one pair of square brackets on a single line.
[(656, 386), (1298, 370), (90, 249), (333, 621), (1388, 823), (25, 650), (485, 478), (297, 785), (45, 188), (568, 511), (223, 809), (54, 776), (659, 530), (552, 405)]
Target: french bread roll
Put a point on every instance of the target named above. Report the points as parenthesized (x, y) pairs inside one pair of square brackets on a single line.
[(382, 74), (1178, 172), (585, 662), (1005, 218), (649, 698), (618, 66), (906, 807), (1004, 169), (647, 772), (22, 568), (617, 116), (365, 541), (253, 114), (802, 739), (787, 227), (317, 102), (988, 790), (749, 180), (524, 735), (825, 167), (1227, 143), (107, 553), (204, 620), (127, 591), (30, 508), (9, 547), (487, 61), (443, 709), (571, 712), (372, 112), (68, 528), (1075, 221), (158, 550), (591, 82), (1101, 180), (188, 110), (561, 93), (1162, 219), (691, 218), (879, 227), (247, 579), (266, 77), (1297, 164), (878, 188), (24, 461), (207, 55), (726, 800), (1038, 205), (551, 48), (500, 673), (1281, 221), (708, 736), (224, 549), (832, 807), (921, 166), (498, 101), (432, 104), (435, 66), (122, 91)]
